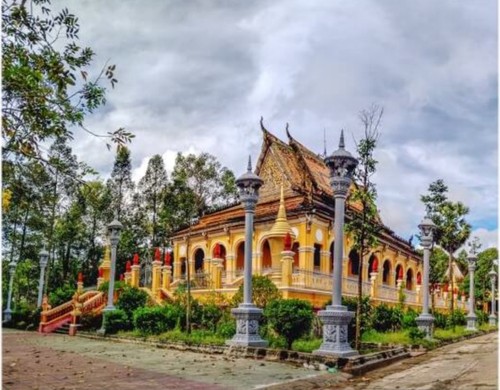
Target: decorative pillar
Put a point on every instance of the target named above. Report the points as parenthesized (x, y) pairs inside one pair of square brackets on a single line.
[(471, 317), (155, 284), (167, 272), (425, 320), (79, 283), (216, 272), (247, 314), (287, 264), (114, 229), (106, 263), (136, 270), (230, 269), (493, 317), (128, 273), (336, 317), (44, 257), (77, 309), (7, 313)]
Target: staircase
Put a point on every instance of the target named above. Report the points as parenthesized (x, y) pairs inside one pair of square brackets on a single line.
[(60, 317)]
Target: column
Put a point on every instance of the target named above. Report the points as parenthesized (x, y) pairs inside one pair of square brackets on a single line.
[(492, 319), (471, 316)]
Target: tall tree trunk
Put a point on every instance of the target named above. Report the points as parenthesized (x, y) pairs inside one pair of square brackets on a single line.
[(51, 248), (23, 236)]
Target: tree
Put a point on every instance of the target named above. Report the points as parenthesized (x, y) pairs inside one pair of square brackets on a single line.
[(264, 291), (46, 87), (364, 225), (152, 187), (290, 318), (452, 230), (211, 184), (120, 183)]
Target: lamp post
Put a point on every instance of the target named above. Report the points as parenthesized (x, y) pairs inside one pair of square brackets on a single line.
[(425, 320), (44, 257), (336, 317), (493, 318), (471, 316), (247, 314), (114, 229), (7, 313)]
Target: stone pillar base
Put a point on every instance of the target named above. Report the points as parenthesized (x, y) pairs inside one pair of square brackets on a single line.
[(72, 329), (247, 327), (471, 322), (335, 341), (492, 320), (7, 315), (425, 324)]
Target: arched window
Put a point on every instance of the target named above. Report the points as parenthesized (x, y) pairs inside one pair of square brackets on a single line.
[(199, 257), (221, 254), (386, 272), (353, 262), (409, 279), (372, 264), (240, 257), (267, 261), (398, 274), (295, 249), (317, 257)]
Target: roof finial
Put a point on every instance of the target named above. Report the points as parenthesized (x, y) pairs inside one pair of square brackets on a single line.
[(249, 168), (324, 142), (341, 143)]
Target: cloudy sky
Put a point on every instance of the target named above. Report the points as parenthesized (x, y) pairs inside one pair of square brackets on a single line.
[(197, 75)]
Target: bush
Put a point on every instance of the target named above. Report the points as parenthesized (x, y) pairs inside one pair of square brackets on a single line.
[(130, 299), (91, 321), (155, 320), (416, 334), (290, 318), (119, 286), (456, 318), (264, 291), (226, 329), (366, 314), (482, 317), (408, 321), (61, 295), (115, 321), (210, 316), (25, 317), (440, 320), (387, 318)]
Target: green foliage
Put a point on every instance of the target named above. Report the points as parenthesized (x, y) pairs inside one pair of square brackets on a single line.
[(290, 318), (392, 337), (119, 286), (155, 320), (482, 317), (116, 320), (416, 334), (386, 318), (130, 299), (408, 321), (25, 317), (440, 320), (61, 295), (91, 321), (197, 337), (211, 315), (307, 344), (457, 317), (226, 329), (450, 334), (366, 314), (264, 291)]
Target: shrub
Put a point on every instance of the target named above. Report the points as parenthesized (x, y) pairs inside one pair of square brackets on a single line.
[(440, 320), (61, 295), (155, 320), (119, 286), (91, 321), (366, 314), (25, 317), (416, 334), (211, 315), (408, 321), (226, 329), (264, 291), (290, 318), (456, 318), (387, 318), (130, 299), (482, 317), (115, 321)]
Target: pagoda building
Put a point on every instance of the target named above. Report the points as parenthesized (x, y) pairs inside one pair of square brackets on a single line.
[(296, 198)]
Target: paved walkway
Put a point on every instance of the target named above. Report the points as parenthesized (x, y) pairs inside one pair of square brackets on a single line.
[(34, 361)]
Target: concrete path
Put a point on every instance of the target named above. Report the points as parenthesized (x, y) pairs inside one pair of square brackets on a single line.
[(34, 361), (467, 365)]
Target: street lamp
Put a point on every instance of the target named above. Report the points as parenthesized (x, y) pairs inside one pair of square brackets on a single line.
[(336, 317), (493, 318), (7, 314), (114, 229), (247, 314), (471, 316), (44, 257), (425, 320)]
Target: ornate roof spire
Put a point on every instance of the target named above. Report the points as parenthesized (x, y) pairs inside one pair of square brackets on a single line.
[(249, 168), (281, 226), (341, 143)]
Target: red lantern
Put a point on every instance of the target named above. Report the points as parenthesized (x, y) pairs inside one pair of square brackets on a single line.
[(375, 265), (136, 259), (128, 266), (288, 242), (157, 254), (167, 258), (100, 272)]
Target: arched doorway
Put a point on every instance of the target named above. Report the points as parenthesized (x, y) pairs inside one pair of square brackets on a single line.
[(267, 261), (295, 249), (386, 273), (353, 265), (372, 264), (240, 258), (221, 255), (398, 274), (409, 279), (199, 257), (317, 257)]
